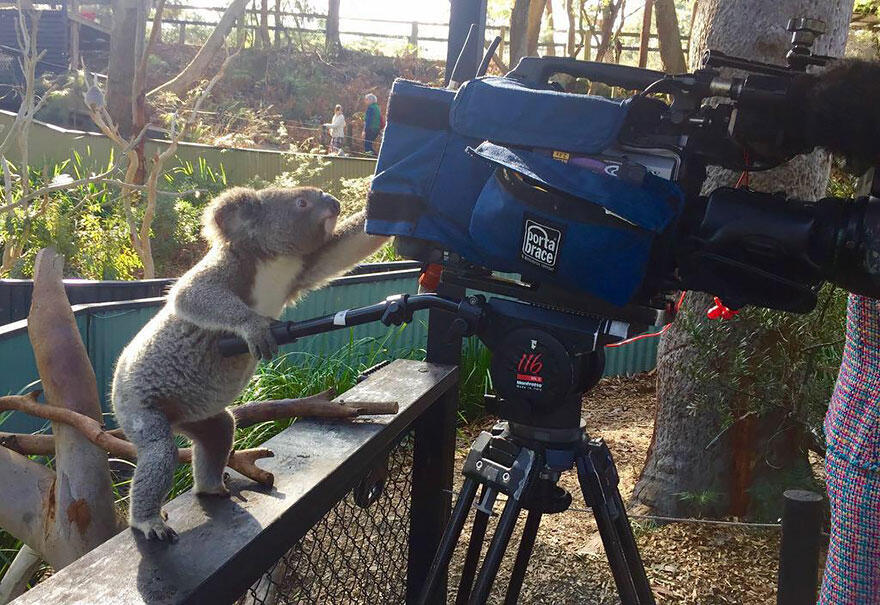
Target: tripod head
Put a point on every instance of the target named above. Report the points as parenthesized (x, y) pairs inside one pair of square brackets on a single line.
[(543, 360)]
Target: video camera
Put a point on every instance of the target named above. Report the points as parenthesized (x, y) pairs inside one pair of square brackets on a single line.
[(594, 205)]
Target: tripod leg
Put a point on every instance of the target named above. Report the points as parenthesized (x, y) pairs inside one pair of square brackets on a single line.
[(526, 544), (595, 499), (631, 551), (475, 546), (450, 537), (496, 551)]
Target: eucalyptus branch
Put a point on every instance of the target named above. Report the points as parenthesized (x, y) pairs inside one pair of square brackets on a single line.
[(59, 187)]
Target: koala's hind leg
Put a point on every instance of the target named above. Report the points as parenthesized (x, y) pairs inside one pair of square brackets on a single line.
[(150, 432), (212, 441)]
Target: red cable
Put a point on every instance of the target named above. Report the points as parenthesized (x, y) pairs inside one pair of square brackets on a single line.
[(652, 335), (743, 180)]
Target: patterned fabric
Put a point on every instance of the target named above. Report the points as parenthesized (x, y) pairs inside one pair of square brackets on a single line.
[(852, 569), (852, 425)]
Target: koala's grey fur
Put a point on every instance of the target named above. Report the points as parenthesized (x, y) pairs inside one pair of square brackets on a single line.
[(267, 248)]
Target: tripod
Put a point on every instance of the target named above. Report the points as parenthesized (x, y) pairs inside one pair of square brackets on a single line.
[(525, 462)]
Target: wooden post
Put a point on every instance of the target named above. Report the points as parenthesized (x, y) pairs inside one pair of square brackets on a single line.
[(414, 35), (645, 36), (74, 36), (181, 34), (503, 34), (799, 550), (278, 23)]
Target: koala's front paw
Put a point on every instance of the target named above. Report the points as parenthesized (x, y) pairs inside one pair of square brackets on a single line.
[(154, 528), (259, 338)]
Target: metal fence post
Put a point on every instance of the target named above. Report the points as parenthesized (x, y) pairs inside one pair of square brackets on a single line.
[(799, 550), (433, 458)]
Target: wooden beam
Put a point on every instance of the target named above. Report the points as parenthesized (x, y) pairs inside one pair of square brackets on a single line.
[(226, 544)]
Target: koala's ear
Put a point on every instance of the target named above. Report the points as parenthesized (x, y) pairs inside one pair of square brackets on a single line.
[(232, 216)]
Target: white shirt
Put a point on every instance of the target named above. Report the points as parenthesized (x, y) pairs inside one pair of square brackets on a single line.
[(337, 126)]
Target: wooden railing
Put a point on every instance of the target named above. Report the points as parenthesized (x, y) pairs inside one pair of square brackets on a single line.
[(229, 545)]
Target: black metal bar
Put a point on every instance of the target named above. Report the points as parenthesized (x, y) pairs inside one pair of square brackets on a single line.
[(472, 557), (288, 331), (496, 551), (631, 551), (799, 550), (526, 545), (450, 537), (434, 458), (595, 499)]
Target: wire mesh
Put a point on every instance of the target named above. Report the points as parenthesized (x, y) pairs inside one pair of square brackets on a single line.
[(358, 552)]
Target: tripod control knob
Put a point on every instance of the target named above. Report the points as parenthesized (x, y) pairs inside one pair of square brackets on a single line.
[(457, 329)]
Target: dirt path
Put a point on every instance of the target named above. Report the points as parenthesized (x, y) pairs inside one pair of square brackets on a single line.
[(686, 563)]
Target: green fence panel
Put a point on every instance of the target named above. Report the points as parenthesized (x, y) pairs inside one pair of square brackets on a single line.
[(108, 331), (51, 145), (106, 328), (632, 358), (18, 372), (352, 292)]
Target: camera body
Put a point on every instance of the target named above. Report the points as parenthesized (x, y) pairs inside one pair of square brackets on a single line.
[(594, 205)]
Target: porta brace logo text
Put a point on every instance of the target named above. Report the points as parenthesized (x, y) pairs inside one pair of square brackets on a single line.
[(541, 244)]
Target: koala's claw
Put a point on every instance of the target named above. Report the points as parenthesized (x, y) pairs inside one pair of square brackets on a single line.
[(261, 341), (155, 528)]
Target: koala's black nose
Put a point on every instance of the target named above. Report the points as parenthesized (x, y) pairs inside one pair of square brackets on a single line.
[(331, 201)]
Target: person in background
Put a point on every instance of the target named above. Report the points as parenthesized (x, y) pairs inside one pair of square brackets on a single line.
[(372, 122), (337, 131), (852, 463)]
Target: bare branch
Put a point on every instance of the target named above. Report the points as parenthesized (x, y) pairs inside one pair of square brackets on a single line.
[(59, 187), (241, 461), (25, 491), (319, 406), (155, 32), (23, 567), (194, 72)]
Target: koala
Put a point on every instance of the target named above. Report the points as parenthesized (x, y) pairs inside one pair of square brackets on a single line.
[(268, 247)]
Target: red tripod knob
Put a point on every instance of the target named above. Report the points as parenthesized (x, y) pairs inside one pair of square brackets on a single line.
[(719, 311)]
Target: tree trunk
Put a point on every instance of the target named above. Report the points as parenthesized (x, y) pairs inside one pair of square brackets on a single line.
[(610, 9), (278, 23), (533, 26), (121, 68), (571, 47), (195, 71), (331, 39), (671, 53), (82, 515), (645, 35), (550, 32), (519, 20), (691, 452)]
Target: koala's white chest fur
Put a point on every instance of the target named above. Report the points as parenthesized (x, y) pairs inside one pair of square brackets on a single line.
[(272, 284)]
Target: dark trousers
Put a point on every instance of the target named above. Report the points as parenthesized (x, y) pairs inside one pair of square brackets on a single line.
[(369, 137)]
